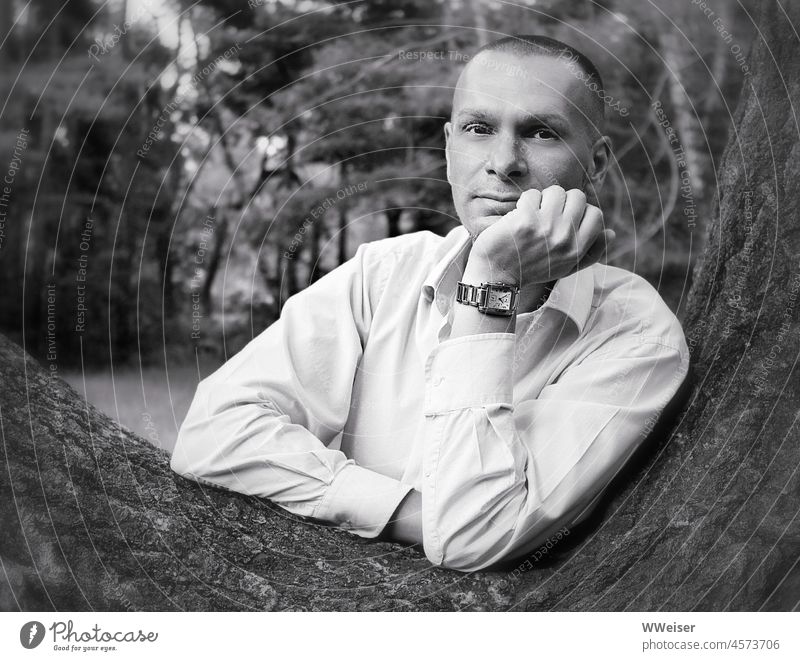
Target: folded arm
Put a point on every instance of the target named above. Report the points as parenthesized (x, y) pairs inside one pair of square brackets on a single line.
[(262, 424), (501, 478)]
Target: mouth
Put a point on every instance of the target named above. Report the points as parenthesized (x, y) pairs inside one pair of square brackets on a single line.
[(498, 197), (493, 204)]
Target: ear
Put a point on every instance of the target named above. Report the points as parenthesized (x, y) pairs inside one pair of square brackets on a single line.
[(448, 131), (601, 161)]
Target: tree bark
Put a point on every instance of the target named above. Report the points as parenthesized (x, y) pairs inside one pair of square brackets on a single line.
[(679, 59), (707, 519)]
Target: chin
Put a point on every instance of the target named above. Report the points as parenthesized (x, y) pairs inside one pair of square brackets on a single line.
[(476, 225)]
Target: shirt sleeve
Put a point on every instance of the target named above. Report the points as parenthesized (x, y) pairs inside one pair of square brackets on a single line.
[(262, 423), (501, 479)]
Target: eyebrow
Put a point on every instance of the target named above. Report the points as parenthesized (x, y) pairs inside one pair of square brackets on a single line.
[(548, 119)]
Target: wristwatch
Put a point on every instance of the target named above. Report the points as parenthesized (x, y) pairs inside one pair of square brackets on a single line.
[(495, 298)]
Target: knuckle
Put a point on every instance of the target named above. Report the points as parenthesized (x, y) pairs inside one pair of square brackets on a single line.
[(595, 212), (593, 217), (576, 193), (564, 241), (530, 197)]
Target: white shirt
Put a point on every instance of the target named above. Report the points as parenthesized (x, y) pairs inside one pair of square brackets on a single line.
[(356, 395)]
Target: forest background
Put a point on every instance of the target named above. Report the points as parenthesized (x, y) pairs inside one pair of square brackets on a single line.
[(175, 170)]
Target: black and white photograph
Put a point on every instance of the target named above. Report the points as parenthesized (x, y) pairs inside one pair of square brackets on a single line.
[(400, 306)]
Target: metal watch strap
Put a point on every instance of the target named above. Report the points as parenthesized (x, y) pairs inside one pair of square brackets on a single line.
[(478, 296), (471, 294)]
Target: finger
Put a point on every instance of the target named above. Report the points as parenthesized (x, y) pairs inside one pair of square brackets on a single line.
[(553, 199), (575, 206), (589, 229), (530, 201)]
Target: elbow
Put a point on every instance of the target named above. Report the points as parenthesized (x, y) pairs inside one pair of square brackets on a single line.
[(499, 534), (179, 463), (469, 530), (466, 562), (182, 462), (482, 543), (187, 458), (464, 537), (465, 557)]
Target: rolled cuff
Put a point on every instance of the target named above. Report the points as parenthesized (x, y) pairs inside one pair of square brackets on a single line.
[(361, 501), (470, 371)]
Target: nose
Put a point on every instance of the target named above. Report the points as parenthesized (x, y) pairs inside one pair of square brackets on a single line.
[(507, 158)]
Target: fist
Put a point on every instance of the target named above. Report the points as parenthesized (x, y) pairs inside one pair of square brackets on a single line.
[(551, 234)]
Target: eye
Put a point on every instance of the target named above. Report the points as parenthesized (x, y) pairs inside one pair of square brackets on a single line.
[(544, 133), (477, 128)]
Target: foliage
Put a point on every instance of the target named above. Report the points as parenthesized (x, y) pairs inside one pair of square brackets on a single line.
[(231, 152)]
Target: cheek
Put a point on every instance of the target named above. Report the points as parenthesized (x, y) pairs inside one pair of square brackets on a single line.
[(465, 160), (460, 180), (558, 166)]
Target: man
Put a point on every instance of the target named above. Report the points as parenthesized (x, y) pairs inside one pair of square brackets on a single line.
[(401, 396)]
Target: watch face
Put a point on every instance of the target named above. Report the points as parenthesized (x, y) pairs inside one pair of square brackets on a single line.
[(499, 299)]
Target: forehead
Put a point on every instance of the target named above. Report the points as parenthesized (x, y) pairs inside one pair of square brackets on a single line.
[(514, 84)]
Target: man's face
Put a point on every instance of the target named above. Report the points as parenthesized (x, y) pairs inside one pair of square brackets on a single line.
[(519, 123)]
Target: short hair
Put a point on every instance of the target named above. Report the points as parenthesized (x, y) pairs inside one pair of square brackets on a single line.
[(525, 45)]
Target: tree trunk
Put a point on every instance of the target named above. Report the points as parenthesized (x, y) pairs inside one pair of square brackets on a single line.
[(707, 519), (393, 215), (679, 59), (220, 236), (342, 233)]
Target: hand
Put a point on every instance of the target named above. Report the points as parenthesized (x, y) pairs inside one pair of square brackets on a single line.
[(406, 523), (551, 234)]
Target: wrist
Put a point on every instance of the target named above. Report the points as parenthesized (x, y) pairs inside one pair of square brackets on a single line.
[(478, 270), (531, 297)]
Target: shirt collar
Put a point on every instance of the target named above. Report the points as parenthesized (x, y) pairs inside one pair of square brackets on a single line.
[(571, 295), (450, 260)]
